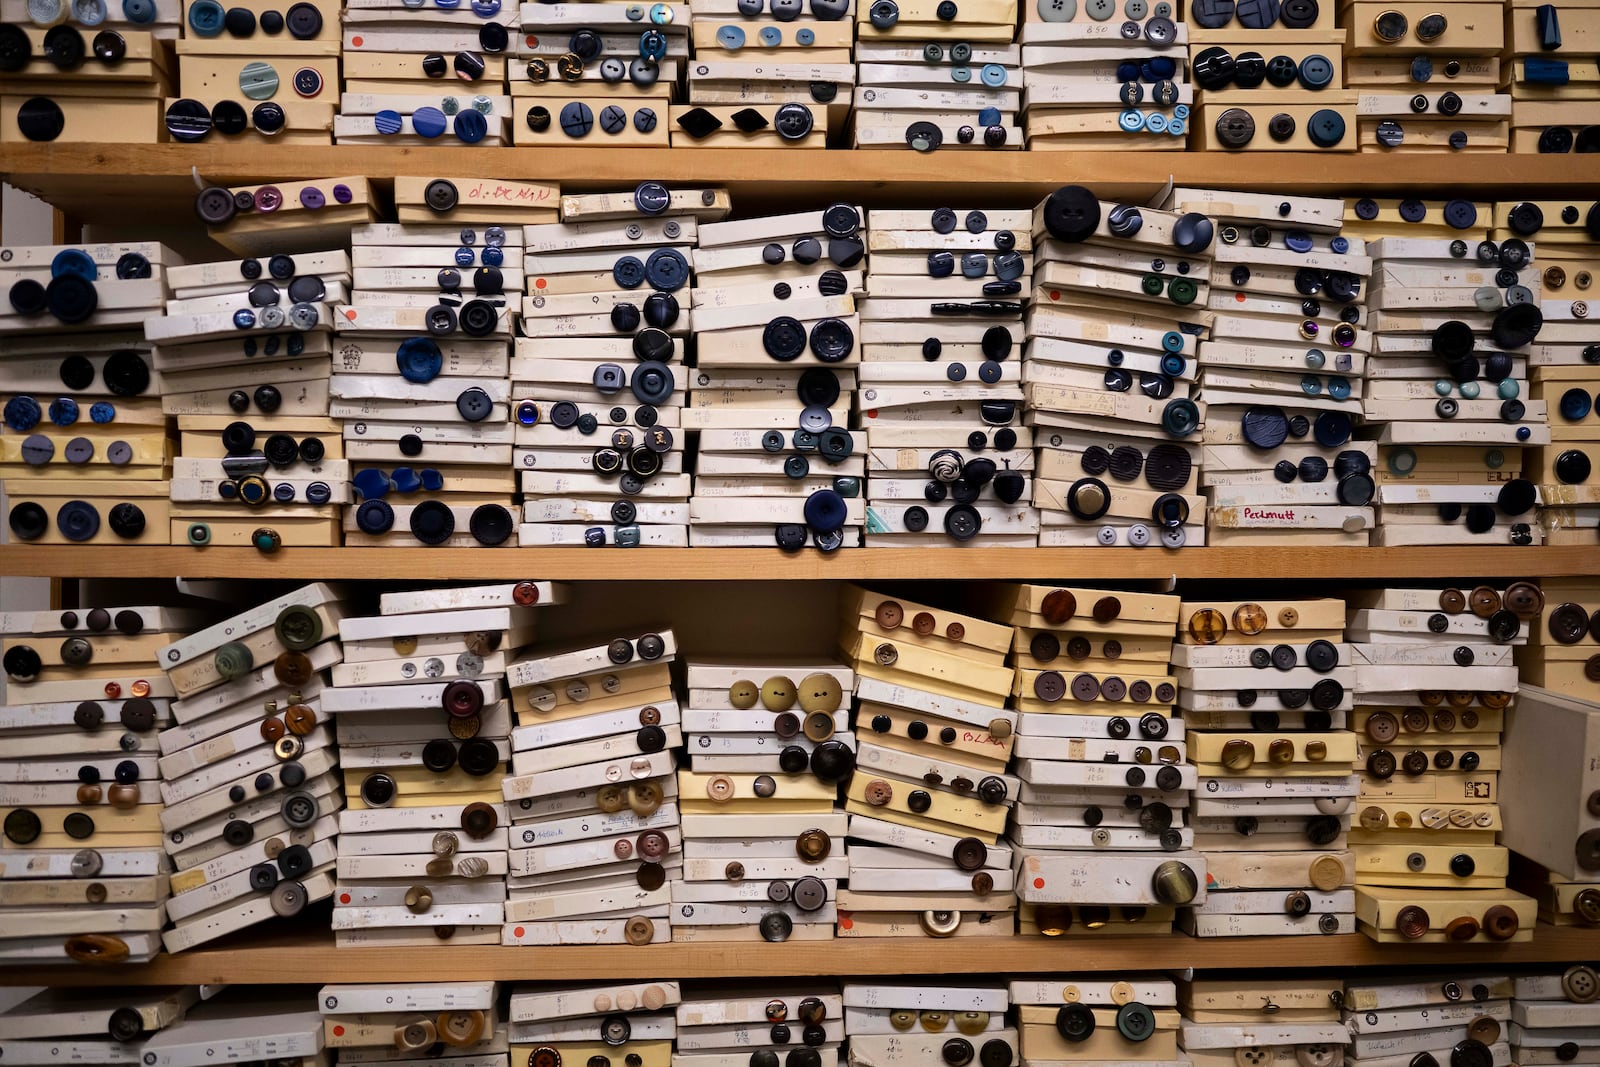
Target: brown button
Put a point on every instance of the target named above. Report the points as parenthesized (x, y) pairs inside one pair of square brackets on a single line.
[(1461, 928), (955, 631), (654, 845), (1415, 720), (480, 643), (649, 715), (813, 846), (819, 726), (650, 876), (983, 883), (412, 1036), (462, 698), (1288, 617), (96, 948), (1107, 608), (138, 714), (734, 871), (889, 614), (720, 788), (1374, 818), (1411, 922), (1327, 873), (922, 623), (1483, 601), (786, 726), (622, 848), (1452, 601), (1444, 720), (820, 692), (1554, 277), (1429, 698), (1382, 727), (404, 646), (1524, 599), (1058, 606), (1460, 699), (288, 747), (1492, 700), (639, 931), (1207, 626), (273, 847), (1469, 721), (1281, 751), (1174, 882), (419, 898), (744, 694), (1238, 754), (1000, 729), (89, 794), (1568, 623), (1586, 906), (301, 719), (95, 893), (525, 593), (479, 820), (1316, 751), (1501, 924), (878, 792), (466, 727), (886, 655), (292, 668), (1084, 687), (271, 729), (123, 796), (1079, 647), (970, 854), (1591, 668), (611, 799), (1250, 619)]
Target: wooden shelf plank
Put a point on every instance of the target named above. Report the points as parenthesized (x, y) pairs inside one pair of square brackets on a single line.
[(272, 956), (161, 176), (743, 564)]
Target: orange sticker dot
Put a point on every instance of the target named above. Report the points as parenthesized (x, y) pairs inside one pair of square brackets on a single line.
[(517, 932), (872, 413), (350, 314), (357, 42), (1239, 297), (533, 40), (1038, 883), (344, 898), (338, 1031), (540, 284), (846, 923)]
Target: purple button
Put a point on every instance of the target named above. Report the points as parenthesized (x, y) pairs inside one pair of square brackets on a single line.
[(312, 198), (342, 194)]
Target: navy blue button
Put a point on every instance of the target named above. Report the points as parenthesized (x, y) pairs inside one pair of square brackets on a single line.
[(22, 413), (1575, 405), (77, 520), (941, 264), (102, 412), (1331, 429), (76, 262), (1326, 128), (406, 480), (628, 272), (1265, 427), (371, 483), (432, 480), (374, 517), (64, 411), (419, 359), (493, 256), (1181, 417), (319, 493), (667, 269), (470, 126), (244, 318), (283, 492), (474, 404), (1298, 241), (1339, 245), (428, 122), (825, 511)]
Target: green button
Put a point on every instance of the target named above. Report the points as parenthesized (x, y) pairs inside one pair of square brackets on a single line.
[(258, 81)]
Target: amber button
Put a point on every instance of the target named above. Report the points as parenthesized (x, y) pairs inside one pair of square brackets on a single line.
[(649, 715), (419, 898), (1250, 619), (1374, 818), (1327, 873), (1207, 626), (819, 726), (983, 883), (1238, 754), (300, 719), (460, 1028), (644, 798), (1484, 601), (89, 794), (889, 614), (934, 1021), (271, 729), (720, 788), (1501, 924), (1461, 928), (1000, 729), (1316, 751), (479, 820), (1452, 601), (639, 930), (813, 846), (1281, 751)]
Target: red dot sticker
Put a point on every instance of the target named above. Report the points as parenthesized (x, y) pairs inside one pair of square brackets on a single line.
[(1038, 883), (357, 41), (517, 932), (1055, 294), (344, 898), (338, 1031), (1238, 297), (845, 922), (540, 284)]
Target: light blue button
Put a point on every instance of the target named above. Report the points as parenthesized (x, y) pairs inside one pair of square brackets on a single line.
[(994, 75), (1339, 388), (1310, 385), (730, 37), (771, 36), (1316, 359), (1508, 389), (1470, 390), (961, 74), (805, 37), (206, 18), (1181, 111), (486, 9), (1442, 386), (1131, 120), (1155, 122), (1177, 127)]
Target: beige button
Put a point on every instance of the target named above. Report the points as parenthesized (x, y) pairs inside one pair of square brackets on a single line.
[(653, 997), (902, 1020), (1483, 1028), (820, 693), (1319, 1055), (626, 1001), (1121, 993), (971, 1022), (639, 931), (644, 798), (744, 694), (412, 1036), (472, 867), (934, 1021), (419, 898), (460, 1028), (445, 843), (720, 788), (941, 923), (611, 799), (1327, 873), (1253, 1056), (1581, 984), (1071, 994), (1374, 818), (1250, 619), (999, 729), (404, 646), (602, 1002), (777, 693)]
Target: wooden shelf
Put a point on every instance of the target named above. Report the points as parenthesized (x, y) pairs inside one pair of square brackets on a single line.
[(159, 181), (749, 564), (269, 955)]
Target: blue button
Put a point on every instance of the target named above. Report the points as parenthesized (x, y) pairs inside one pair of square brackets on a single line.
[(989, 116), (1331, 429), (1523, 433), (1421, 69), (1339, 245), (465, 257), (1176, 126), (493, 256), (428, 122), (74, 262), (628, 272), (1160, 68), (1575, 405), (206, 17), (22, 413), (486, 9), (1173, 364), (527, 413), (1127, 71), (406, 480), (419, 359), (283, 492), (825, 511), (1541, 71), (319, 493), (1172, 341), (730, 37), (64, 411), (1339, 388), (374, 517), (667, 269), (652, 44), (805, 37), (989, 372), (1131, 120), (388, 122), (1155, 122), (771, 36), (1298, 241), (1326, 128), (471, 127), (432, 480), (139, 12), (1310, 385), (1316, 72), (244, 318), (1181, 111), (102, 412), (994, 76), (370, 484)]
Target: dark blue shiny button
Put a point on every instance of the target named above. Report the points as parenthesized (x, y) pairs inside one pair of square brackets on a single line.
[(628, 272), (1127, 71), (244, 318), (77, 520), (374, 517), (1298, 241), (319, 493), (941, 264), (64, 411), (1173, 364), (406, 480), (428, 122), (1331, 429), (371, 484), (1316, 72), (465, 257), (1575, 405), (470, 126), (666, 269), (75, 262), (102, 412), (1265, 427), (1339, 245), (419, 359), (825, 511), (22, 413), (283, 492), (432, 480), (527, 412)]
